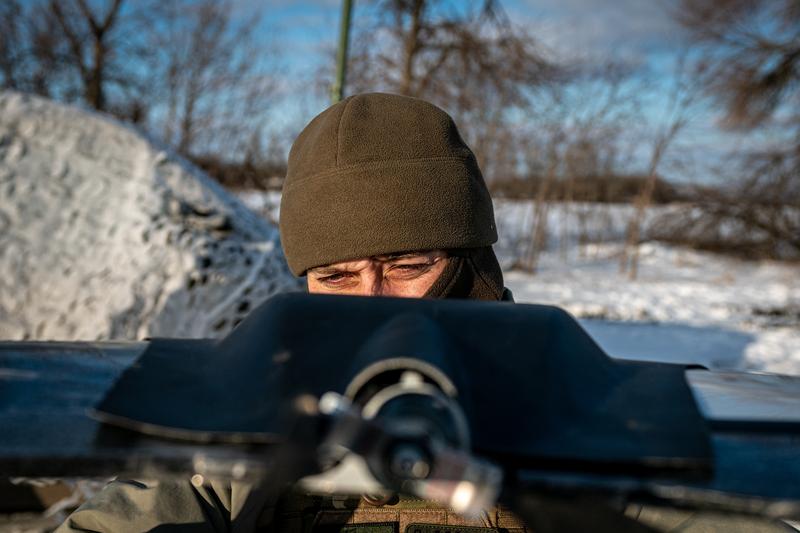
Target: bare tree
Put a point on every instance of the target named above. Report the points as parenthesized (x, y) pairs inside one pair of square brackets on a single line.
[(10, 43), (199, 74), (574, 132), (679, 107), (33, 53), (88, 32), (751, 62), (541, 207), (750, 66), (214, 77), (466, 57), (75, 50)]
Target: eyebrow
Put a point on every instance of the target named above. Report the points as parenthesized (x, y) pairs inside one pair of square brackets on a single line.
[(326, 270), (400, 255)]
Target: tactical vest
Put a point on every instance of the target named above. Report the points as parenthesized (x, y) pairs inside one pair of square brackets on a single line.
[(302, 513)]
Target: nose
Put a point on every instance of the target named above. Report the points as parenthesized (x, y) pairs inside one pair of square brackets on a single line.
[(372, 283), (376, 287)]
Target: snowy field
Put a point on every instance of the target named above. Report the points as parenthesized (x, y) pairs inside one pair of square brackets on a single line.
[(685, 306)]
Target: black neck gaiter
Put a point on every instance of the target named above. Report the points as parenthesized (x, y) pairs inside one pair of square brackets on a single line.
[(471, 273)]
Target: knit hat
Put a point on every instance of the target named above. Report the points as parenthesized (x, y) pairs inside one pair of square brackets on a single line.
[(377, 174)]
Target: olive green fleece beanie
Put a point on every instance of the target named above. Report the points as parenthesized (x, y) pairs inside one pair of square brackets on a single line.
[(377, 174)]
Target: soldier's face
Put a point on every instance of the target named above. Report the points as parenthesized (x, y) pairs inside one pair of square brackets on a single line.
[(408, 275)]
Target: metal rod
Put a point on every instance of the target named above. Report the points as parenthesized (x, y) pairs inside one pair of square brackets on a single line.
[(337, 90)]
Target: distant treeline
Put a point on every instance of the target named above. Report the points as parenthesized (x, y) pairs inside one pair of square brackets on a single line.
[(269, 175), (601, 188), (244, 175)]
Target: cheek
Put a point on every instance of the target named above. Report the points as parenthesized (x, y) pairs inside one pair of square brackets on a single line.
[(416, 288), (409, 289), (315, 287)]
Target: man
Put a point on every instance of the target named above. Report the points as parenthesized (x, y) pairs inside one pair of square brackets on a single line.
[(382, 198)]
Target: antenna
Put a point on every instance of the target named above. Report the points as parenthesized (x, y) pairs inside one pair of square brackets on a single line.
[(337, 90)]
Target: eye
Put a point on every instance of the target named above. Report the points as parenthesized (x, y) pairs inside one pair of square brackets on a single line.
[(336, 279), (409, 270), (412, 267)]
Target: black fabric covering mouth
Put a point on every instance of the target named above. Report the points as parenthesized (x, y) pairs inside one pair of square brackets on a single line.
[(471, 273)]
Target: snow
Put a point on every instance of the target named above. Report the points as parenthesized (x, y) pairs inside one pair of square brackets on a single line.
[(105, 234), (685, 306)]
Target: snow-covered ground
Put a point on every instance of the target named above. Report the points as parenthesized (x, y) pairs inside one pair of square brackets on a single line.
[(684, 306)]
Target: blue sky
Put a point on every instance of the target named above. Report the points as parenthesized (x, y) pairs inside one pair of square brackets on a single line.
[(637, 31), (627, 26)]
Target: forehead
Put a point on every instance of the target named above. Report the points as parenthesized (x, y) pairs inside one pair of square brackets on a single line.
[(358, 264)]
